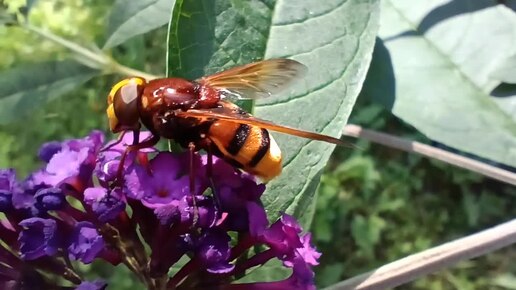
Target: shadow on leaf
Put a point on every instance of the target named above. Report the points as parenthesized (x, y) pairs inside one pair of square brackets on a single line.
[(380, 83), (504, 90), (449, 10)]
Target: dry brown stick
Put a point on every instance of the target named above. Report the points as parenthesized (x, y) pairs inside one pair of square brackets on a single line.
[(408, 269), (432, 152)]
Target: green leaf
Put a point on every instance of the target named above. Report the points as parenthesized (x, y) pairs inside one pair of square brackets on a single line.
[(443, 54), (366, 232), (334, 39), (506, 70), (25, 10), (27, 87), (207, 36), (380, 82), (471, 207), (330, 274), (6, 17), (270, 271), (129, 18), (506, 281)]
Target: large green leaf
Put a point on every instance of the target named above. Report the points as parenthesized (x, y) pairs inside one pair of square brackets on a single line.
[(333, 38), (209, 35), (129, 18), (6, 17), (506, 71), (27, 87), (443, 55)]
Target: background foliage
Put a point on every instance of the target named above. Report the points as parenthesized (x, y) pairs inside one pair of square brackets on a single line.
[(374, 205)]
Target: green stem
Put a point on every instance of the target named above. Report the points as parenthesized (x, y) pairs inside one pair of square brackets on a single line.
[(431, 152), (82, 51), (101, 60)]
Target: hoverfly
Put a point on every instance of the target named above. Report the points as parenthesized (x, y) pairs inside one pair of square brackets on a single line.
[(198, 115)]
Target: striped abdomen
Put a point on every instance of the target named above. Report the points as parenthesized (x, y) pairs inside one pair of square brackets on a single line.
[(248, 147)]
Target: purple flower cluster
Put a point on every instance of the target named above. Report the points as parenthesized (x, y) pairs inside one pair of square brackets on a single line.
[(75, 209)]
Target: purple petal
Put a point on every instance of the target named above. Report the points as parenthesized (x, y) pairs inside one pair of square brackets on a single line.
[(291, 222), (8, 179), (50, 199), (308, 252), (39, 237), (214, 252), (107, 169), (6, 201), (23, 200), (93, 142), (176, 211), (164, 181), (221, 268), (283, 237), (106, 206), (108, 159), (257, 218), (94, 194), (239, 196), (95, 285), (127, 140), (65, 164), (47, 150), (207, 212), (302, 275), (86, 244)]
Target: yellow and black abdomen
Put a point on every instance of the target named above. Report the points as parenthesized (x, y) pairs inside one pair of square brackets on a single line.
[(249, 147)]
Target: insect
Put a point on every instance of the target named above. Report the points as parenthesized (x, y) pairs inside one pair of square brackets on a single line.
[(199, 114)]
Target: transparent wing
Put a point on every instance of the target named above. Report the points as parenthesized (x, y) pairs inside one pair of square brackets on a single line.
[(256, 80), (232, 113)]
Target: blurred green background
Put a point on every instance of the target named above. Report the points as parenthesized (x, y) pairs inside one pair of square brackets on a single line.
[(375, 205)]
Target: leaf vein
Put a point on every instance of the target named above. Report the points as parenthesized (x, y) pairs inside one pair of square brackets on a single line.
[(508, 119), (313, 16)]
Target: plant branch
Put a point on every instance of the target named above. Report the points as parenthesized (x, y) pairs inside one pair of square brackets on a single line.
[(101, 60), (409, 268), (432, 152)]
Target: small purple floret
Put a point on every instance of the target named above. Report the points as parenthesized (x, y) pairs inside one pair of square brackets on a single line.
[(72, 208), (39, 237), (95, 285), (85, 244), (165, 180), (47, 150), (50, 199), (239, 195), (106, 206), (8, 179), (214, 252), (6, 200)]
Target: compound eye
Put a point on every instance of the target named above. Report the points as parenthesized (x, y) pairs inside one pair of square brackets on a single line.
[(123, 104)]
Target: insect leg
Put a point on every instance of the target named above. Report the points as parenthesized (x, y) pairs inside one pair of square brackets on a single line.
[(209, 174), (149, 142), (191, 149), (118, 141), (136, 137)]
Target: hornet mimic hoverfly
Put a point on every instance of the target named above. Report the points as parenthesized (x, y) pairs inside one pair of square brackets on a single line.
[(198, 115)]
